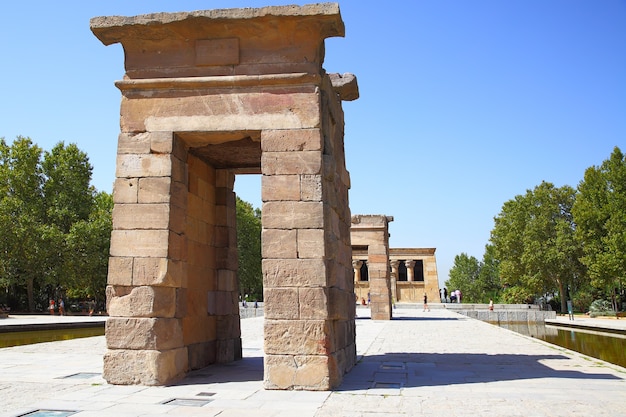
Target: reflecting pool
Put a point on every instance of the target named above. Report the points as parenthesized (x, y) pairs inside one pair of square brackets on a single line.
[(609, 347), (39, 336)]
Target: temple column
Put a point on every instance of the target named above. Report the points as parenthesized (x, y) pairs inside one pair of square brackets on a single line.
[(394, 278), (356, 265), (410, 273)]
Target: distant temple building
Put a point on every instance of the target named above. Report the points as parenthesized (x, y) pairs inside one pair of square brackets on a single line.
[(403, 274)]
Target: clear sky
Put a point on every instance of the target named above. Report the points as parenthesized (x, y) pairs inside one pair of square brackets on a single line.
[(464, 103)]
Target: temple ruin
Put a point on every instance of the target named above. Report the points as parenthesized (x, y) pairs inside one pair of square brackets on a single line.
[(208, 95)]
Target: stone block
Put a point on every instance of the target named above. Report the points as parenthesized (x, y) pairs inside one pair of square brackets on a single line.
[(133, 143), (199, 329), (137, 166), (161, 142), (280, 188), (144, 367), (141, 216), (154, 190), (177, 246), (281, 303), (286, 163), (297, 337), (202, 354), (313, 303), (311, 187), (254, 111), (158, 272), (341, 304), (291, 140), (228, 350), (143, 302), (294, 273), (143, 333), (125, 190), (279, 243), (299, 372), (120, 271), (311, 243), (222, 303), (140, 243), (293, 215), (226, 280)]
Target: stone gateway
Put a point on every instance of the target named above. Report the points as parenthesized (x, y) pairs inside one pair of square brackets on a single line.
[(208, 95)]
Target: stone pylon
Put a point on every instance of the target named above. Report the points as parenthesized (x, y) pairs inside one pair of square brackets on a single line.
[(206, 96), (370, 233)]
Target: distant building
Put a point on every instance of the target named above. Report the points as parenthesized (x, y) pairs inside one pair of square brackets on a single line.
[(406, 274)]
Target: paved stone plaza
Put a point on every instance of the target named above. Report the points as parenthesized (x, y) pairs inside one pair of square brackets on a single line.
[(436, 363)]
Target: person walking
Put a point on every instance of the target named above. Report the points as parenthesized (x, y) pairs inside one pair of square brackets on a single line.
[(426, 303)]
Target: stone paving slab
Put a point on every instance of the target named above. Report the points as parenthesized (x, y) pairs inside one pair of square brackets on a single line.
[(434, 363)]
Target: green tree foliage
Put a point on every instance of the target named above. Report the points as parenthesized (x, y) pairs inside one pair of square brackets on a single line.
[(463, 275), (42, 196), (67, 193), (534, 240), (478, 281), (600, 214), (249, 250), (88, 243)]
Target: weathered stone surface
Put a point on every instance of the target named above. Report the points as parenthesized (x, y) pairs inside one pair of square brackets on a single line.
[(298, 337), (345, 85), (291, 140), (279, 243), (145, 367), (144, 302), (311, 243), (293, 215), (291, 163), (158, 272), (125, 190), (120, 271), (141, 216), (143, 333), (311, 187), (139, 243), (313, 303), (281, 303), (280, 187), (305, 372), (136, 165), (154, 190), (294, 273)]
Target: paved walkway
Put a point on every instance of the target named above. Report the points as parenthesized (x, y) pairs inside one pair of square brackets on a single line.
[(434, 363)]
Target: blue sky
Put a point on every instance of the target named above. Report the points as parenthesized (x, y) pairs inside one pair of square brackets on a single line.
[(464, 103)]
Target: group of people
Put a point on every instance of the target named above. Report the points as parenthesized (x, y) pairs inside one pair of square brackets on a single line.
[(455, 296), (52, 307)]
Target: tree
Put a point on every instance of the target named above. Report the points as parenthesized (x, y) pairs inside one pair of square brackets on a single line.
[(600, 215), (488, 285), (42, 196), (463, 276), (533, 238), (478, 281), (25, 236), (88, 243), (249, 250), (66, 190)]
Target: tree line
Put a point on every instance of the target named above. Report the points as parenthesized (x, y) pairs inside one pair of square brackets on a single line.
[(55, 227), (554, 244), (55, 230)]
